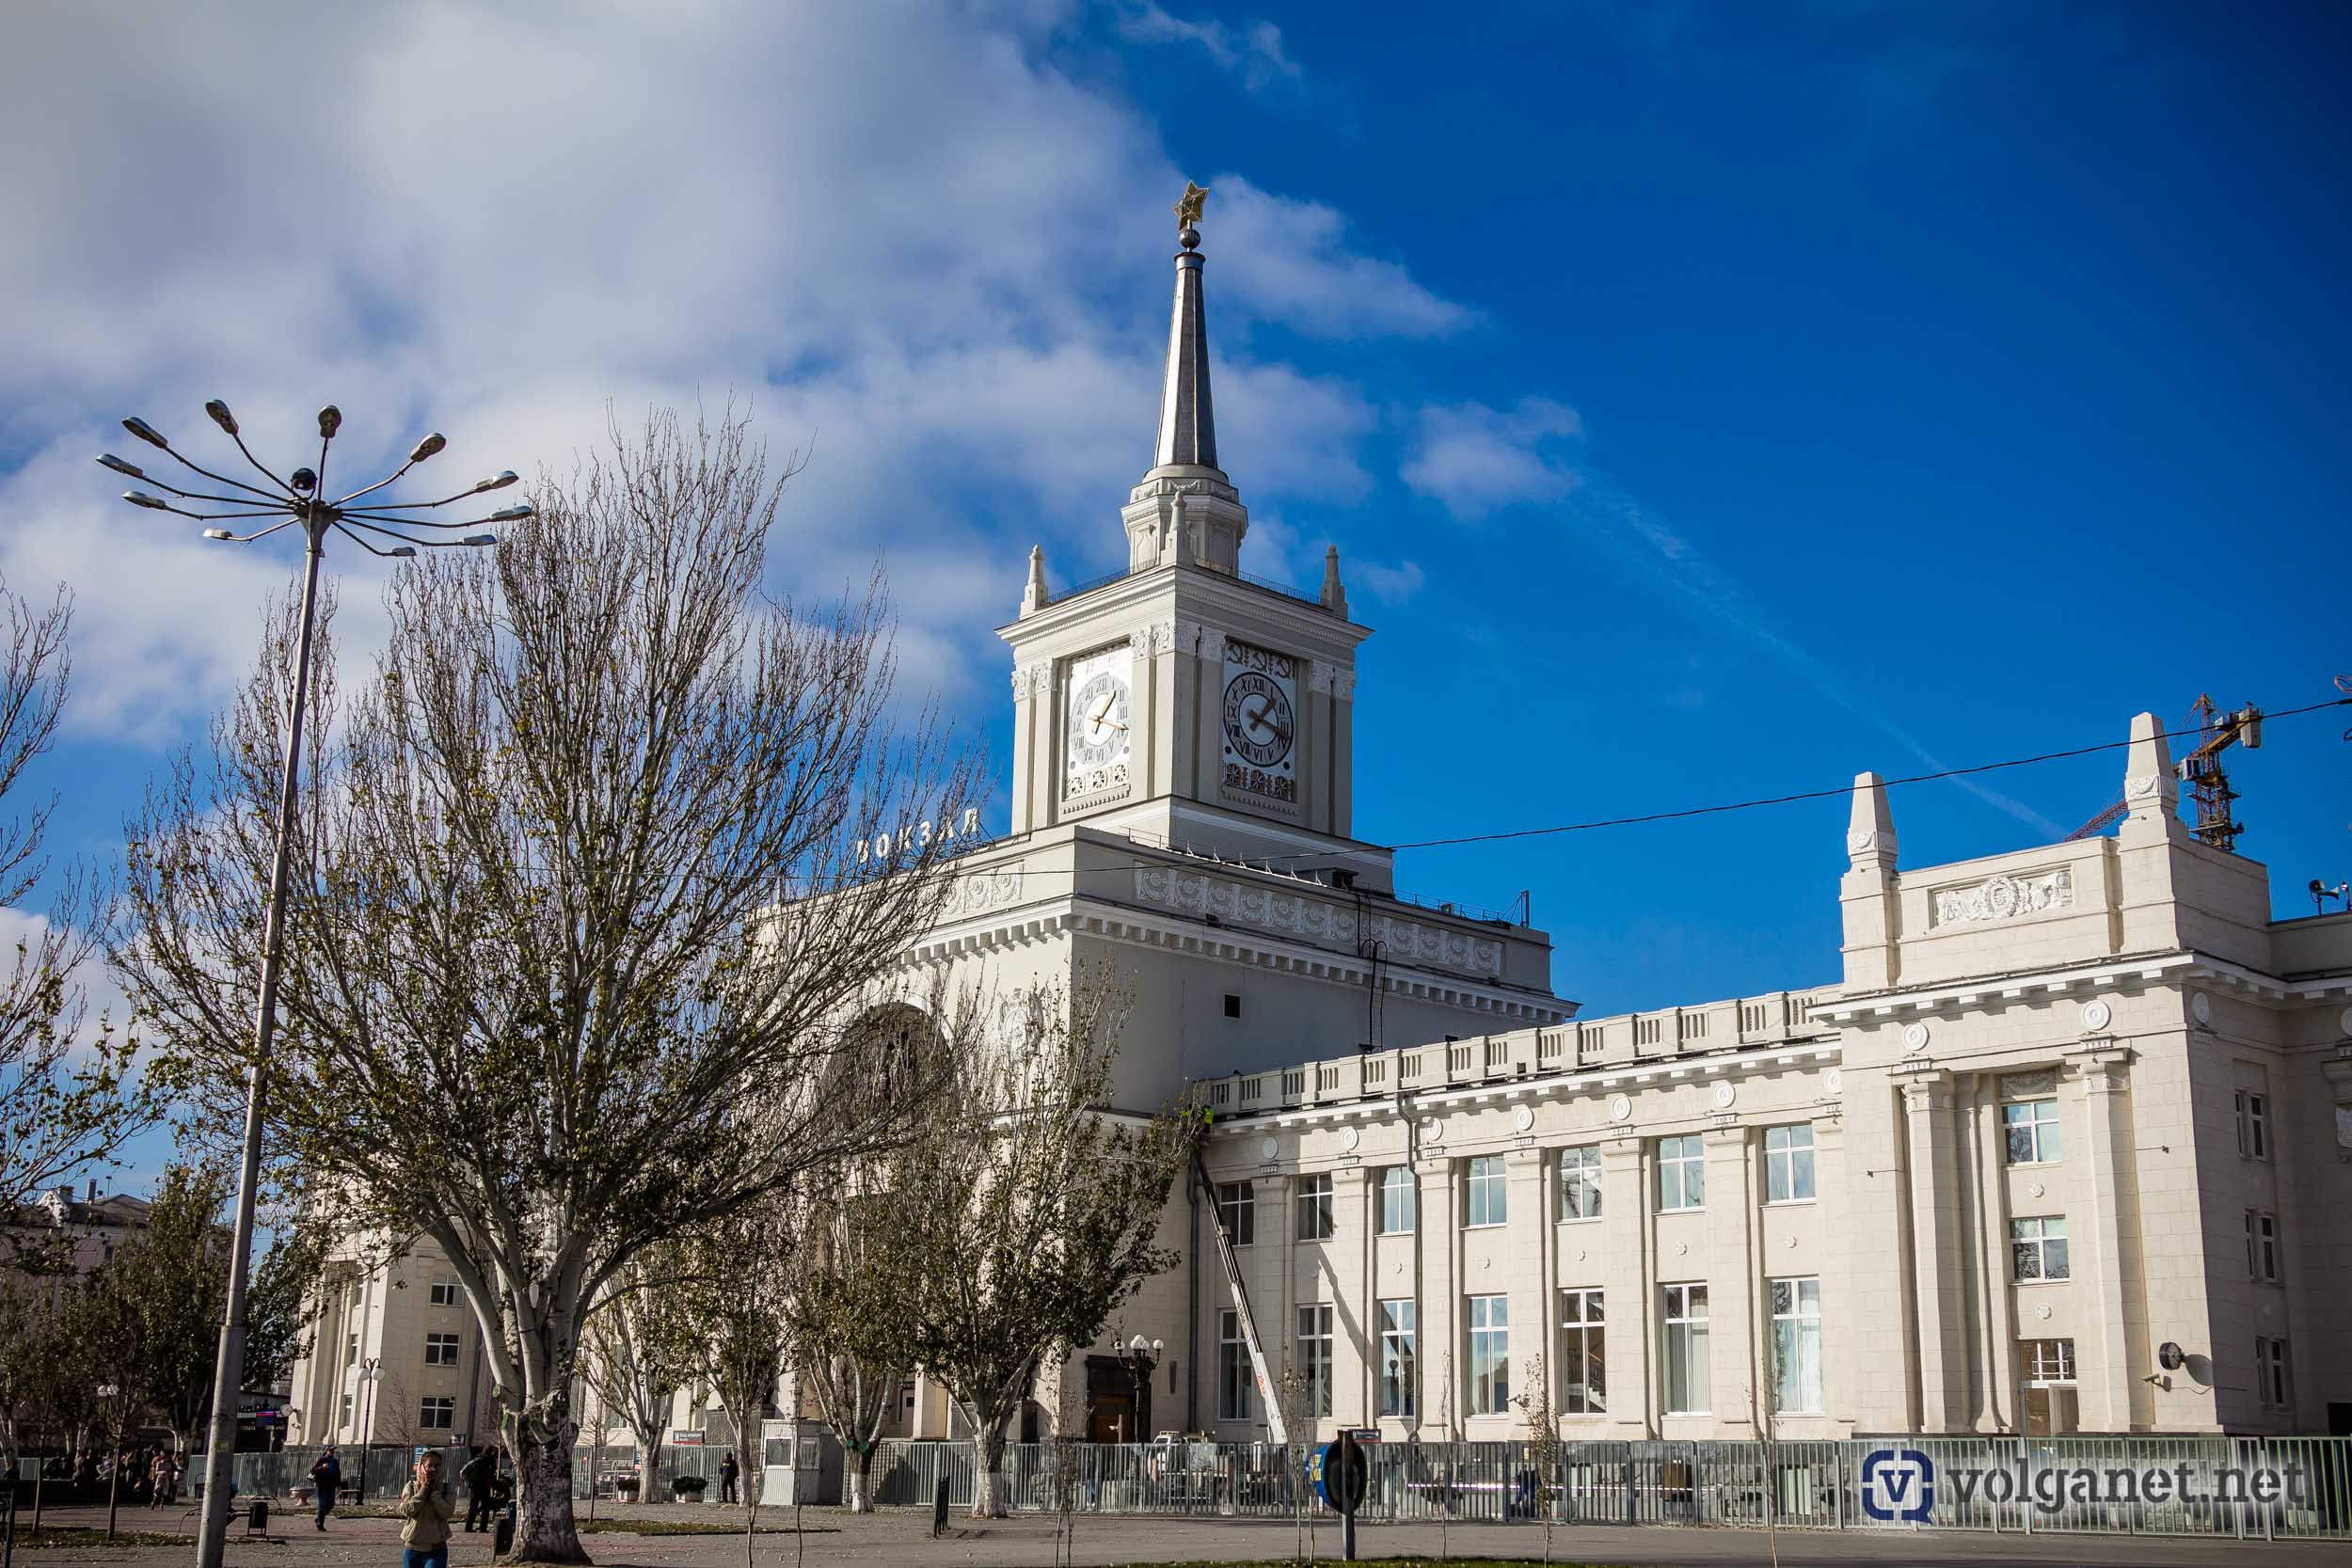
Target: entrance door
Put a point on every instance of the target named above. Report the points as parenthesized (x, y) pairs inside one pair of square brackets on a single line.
[(1112, 1393), (1114, 1420)]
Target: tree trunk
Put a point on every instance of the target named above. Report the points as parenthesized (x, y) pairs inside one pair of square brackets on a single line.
[(543, 1527), (860, 1478), (987, 1495)]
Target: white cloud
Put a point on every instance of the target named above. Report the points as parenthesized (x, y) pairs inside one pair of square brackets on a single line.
[(1252, 52), (918, 248), (1473, 460)]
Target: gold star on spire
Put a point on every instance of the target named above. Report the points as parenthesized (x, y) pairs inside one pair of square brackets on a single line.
[(1188, 208)]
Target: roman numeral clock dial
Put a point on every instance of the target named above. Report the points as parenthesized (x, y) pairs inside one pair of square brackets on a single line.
[(1095, 745), (1260, 723)]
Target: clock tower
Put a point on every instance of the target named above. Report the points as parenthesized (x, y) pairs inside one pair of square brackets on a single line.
[(1182, 700)]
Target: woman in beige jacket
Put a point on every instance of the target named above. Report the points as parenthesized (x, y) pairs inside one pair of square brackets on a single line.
[(425, 1507)]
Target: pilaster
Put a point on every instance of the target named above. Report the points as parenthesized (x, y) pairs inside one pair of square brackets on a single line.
[(1438, 1313), (1734, 1290), (1938, 1275), (2112, 1296), (1628, 1291)]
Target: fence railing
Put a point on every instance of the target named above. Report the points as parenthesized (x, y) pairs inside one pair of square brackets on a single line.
[(2244, 1488)]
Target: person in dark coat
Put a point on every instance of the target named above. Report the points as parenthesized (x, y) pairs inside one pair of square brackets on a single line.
[(326, 1479), (728, 1470), (478, 1475)]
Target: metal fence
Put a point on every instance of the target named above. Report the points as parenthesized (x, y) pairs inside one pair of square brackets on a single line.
[(286, 1474), (2211, 1486)]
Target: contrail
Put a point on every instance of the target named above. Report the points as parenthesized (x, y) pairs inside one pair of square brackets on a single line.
[(1621, 522)]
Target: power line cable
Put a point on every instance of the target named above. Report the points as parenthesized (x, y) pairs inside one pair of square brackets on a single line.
[(1268, 863)]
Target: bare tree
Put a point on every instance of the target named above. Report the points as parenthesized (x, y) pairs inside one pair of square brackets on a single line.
[(849, 1322), (1035, 1210), (633, 1360), (1543, 1444), (66, 1100), (604, 856), (736, 1291)]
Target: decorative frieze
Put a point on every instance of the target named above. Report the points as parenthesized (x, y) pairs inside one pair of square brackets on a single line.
[(969, 893), (2005, 897), (1316, 919)]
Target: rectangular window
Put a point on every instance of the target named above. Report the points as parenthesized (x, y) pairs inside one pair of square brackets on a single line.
[(1681, 1174), (2049, 1361), (1314, 1359), (345, 1420), (2254, 1261), (440, 1350), (2270, 1371), (2267, 1237), (1579, 1183), (444, 1292), (439, 1413), (2032, 1127), (1238, 1208), (351, 1348), (2037, 1249), (2253, 1125), (1233, 1375), (1487, 1199), (1397, 1376), (1583, 1359), (2051, 1407), (1797, 1346), (1396, 1200), (1686, 1385), (1314, 1208), (1490, 1354), (1788, 1163)]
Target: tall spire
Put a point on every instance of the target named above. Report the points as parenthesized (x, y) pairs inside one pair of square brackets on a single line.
[(1186, 513), (1188, 436)]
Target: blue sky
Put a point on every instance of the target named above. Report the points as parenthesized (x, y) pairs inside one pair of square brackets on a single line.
[(1708, 401)]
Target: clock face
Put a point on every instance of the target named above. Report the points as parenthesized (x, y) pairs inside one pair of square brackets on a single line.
[(1260, 723), (1095, 724)]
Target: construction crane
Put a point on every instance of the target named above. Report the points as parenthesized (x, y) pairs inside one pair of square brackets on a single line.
[(2201, 770), (1276, 1432)]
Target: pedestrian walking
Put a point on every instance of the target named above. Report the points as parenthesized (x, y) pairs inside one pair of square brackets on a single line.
[(480, 1471), (158, 1480), (425, 1511), (326, 1479), (728, 1470)]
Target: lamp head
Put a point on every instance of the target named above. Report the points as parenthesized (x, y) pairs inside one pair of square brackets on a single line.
[(221, 417), (330, 420), (480, 539), (406, 553), (140, 498), (499, 480), (303, 480), (118, 465), (514, 514), (147, 432), (427, 447), (218, 533)]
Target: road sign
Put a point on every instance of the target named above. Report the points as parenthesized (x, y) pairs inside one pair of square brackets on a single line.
[(1344, 1475)]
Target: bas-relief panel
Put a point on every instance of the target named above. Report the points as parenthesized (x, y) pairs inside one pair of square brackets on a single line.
[(1292, 914), (2005, 897)]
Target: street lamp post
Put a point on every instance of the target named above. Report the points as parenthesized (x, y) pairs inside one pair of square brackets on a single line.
[(299, 500), (370, 1372), (1140, 1359)]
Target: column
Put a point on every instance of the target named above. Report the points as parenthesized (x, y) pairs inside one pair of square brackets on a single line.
[(1438, 1314), (1840, 1312), (1733, 1290), (1938, 1278), (2109, 1303), (1532, 1301), (2004, 1379), (1628, 1293), (1355, 1313)]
